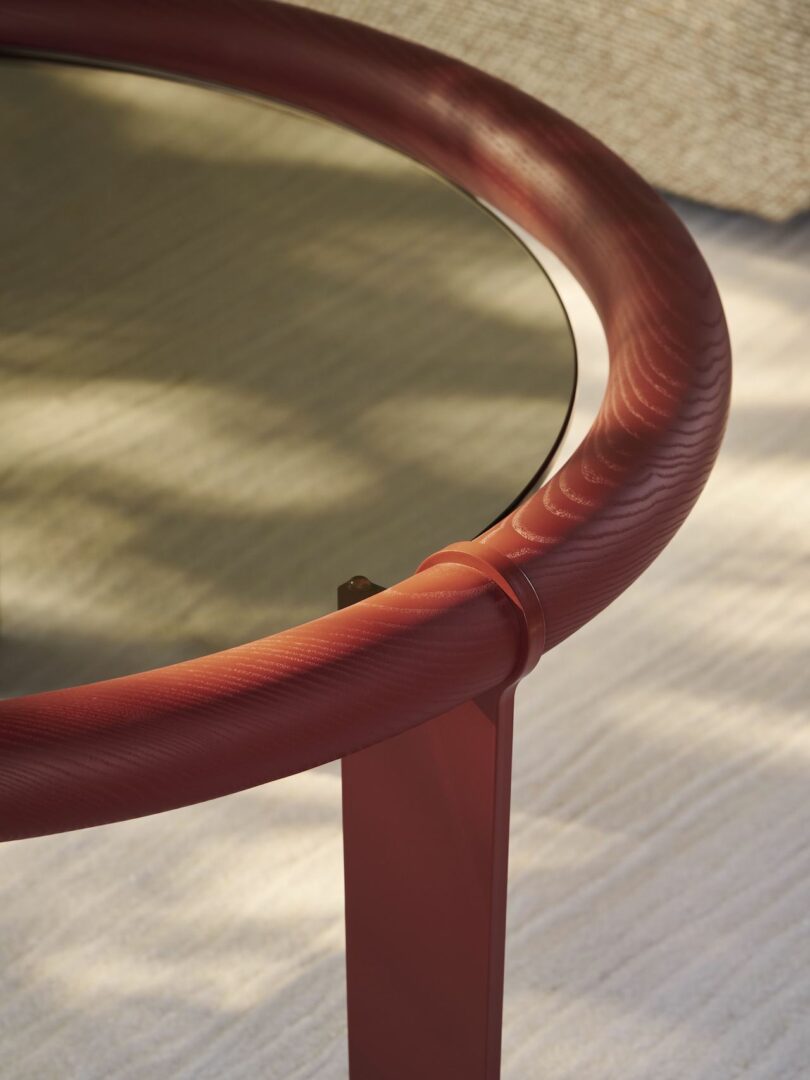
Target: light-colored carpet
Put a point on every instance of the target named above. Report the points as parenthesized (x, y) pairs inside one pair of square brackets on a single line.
[(660, 864)]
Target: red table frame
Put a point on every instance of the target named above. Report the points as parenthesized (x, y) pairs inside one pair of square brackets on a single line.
[(413, 687)]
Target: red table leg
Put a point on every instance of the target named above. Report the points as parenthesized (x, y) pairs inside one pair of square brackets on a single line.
[(426, 835)]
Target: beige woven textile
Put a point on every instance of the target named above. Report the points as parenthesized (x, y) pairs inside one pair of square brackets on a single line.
[(706, 98)]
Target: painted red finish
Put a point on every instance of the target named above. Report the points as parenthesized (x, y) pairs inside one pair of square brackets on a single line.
[(426, 807), (426, 852), (426, 845), (153, 741)]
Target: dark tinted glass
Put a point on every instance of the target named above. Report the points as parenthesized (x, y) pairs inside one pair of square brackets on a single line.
[(244, 355)]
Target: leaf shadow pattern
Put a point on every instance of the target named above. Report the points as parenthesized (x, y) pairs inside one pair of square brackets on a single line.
[(245, 355)]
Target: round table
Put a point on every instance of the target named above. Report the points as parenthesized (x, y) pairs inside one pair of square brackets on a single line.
[(412, 687)]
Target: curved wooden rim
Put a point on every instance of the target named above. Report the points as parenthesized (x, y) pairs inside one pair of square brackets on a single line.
[(162, 739)]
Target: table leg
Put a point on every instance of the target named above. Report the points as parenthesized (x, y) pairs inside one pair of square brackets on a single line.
[(426, 833)]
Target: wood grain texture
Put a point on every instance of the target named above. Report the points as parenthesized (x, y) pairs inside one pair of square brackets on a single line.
[(163, 739)]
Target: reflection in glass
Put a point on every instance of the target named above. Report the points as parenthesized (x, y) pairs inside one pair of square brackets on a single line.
[(245, 354)]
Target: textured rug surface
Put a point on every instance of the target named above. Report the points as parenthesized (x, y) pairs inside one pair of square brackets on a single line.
[(660, 861), (709, 100)]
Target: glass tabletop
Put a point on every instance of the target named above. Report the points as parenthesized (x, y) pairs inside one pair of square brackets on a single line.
[(245, 354)]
